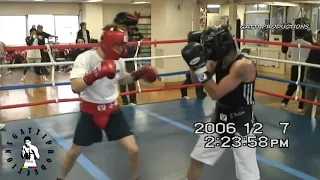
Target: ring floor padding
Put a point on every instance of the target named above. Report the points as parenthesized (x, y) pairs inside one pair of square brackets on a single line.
[(164, 134)]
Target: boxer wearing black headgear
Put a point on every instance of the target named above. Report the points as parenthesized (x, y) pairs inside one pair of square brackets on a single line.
[(234, 95), (127, 19), (194, 36), (218, 42)]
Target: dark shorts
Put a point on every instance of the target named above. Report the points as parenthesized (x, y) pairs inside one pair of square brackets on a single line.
[(87, 132), (239, 116)]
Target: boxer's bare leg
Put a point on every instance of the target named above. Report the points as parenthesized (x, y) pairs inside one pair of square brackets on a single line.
[(130, 144), (69, 160), (195, 170)]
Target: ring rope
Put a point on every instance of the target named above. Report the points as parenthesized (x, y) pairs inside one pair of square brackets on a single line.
[(299, 73), (28, 86), (161, 42), (53, 65), (65, 46), (54, 90), (177, 41), (135, 64), (93, 45), (157, 57), (147, 91)]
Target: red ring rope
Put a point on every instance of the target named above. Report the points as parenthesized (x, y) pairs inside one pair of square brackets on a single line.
[(156, 89), (148, 90), (67, 46), (14, 48)]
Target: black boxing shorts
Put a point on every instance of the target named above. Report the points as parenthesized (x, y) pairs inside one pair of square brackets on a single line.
[(242, 118)]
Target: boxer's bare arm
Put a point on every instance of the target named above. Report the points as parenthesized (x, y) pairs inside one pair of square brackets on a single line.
[(78, 85), (241, 71)]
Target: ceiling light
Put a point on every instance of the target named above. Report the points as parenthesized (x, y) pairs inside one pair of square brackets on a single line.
[(94, 0), (262, 5), (213, 6), (140, 2), (281, 4), (38, 0)]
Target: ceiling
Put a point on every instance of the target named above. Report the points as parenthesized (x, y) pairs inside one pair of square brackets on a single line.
[(129, 1), (287, 1), (74, 1), (308, 2)]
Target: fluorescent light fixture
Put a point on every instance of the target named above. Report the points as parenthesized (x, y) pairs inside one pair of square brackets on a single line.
[(213, 6), (38, 0), (94, 0), (140, 2), (281, 4), (262, 5)]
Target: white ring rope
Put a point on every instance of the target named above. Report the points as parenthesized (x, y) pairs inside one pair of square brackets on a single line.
[(299, 74), (52, 66), (72, 62), (54, 91), (135, 64), (156, 57)]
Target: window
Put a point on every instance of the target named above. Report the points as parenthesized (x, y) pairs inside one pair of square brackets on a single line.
[(263, 7), (257, 14), (276, 15), (257, 7), (47, 21), (13, 33), (314, 19), (212, 8), (318, 25), (257, 19), (252, 7), (66, 28)]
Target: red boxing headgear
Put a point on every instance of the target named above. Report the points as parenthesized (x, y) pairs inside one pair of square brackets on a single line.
[(111, 38)]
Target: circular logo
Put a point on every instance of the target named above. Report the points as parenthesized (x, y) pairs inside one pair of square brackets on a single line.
[(23, 153)]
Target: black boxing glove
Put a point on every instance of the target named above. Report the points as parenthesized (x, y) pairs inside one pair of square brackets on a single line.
[(196, 58), (194, 36)]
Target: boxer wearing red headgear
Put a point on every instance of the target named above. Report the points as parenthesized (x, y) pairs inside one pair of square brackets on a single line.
[(112, 43), (95, 77)]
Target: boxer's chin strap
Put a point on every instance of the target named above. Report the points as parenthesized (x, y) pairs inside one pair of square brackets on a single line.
[(299, 74), (135, 64)]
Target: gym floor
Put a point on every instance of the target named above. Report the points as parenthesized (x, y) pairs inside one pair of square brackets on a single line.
[(165, 137)]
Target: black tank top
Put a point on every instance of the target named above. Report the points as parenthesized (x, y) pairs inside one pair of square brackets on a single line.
[(243, 95)]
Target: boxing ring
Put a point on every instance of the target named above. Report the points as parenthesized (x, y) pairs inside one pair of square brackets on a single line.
[(164, 133)]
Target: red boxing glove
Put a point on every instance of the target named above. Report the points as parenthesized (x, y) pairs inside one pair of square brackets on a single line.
[(106, 68), (147, 73)]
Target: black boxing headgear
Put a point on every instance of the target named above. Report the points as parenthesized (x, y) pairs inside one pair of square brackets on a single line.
[(127, 19), (194, 36), (217, 42)]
